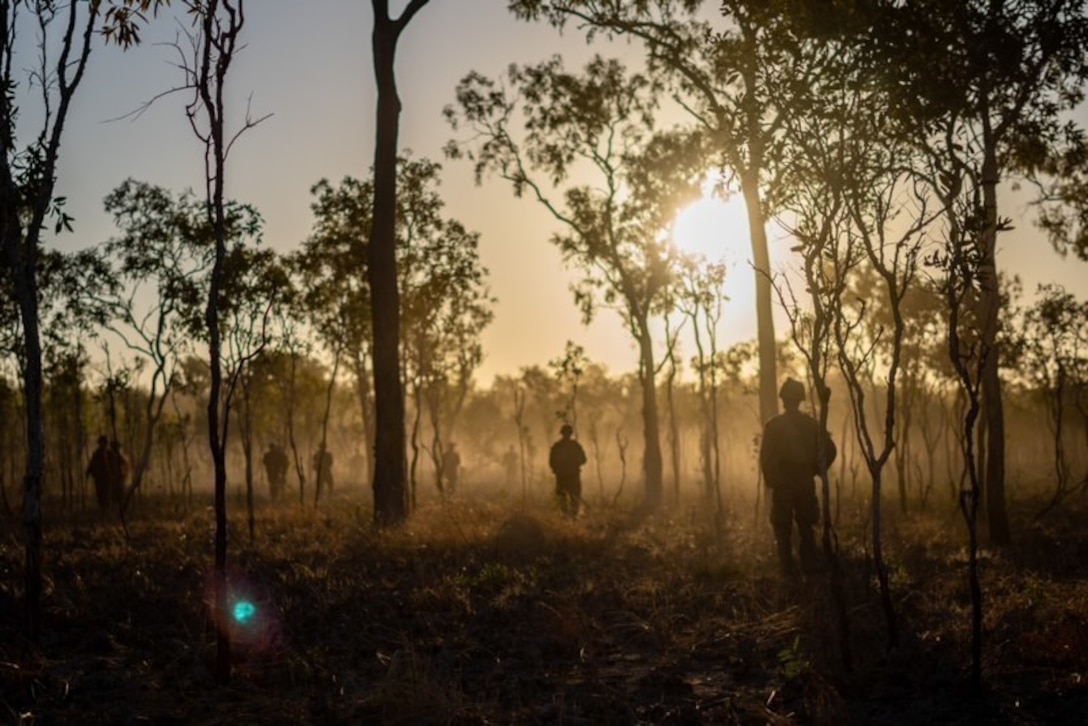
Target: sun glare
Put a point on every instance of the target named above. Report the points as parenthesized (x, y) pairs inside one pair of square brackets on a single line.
[(715, 229)]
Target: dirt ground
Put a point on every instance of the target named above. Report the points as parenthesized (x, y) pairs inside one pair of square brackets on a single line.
[(477, 612)]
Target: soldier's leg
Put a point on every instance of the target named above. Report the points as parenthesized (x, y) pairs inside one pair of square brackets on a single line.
[(575, 493), (782, 525), (561, 494), (808, 514)]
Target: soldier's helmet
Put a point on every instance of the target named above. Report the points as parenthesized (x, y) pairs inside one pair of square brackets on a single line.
[(792, 391)]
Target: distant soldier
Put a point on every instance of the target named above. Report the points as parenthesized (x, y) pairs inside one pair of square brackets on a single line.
[(322, 471), (275, 467), (789, 460), (451, 468), (98, 469), (566, 459)]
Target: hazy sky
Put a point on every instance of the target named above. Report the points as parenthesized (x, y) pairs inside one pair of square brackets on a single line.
[(308, 64)]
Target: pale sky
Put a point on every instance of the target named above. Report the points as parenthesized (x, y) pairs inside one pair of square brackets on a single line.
[(308, 64)]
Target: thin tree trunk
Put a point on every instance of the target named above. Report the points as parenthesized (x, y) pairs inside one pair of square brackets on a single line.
[(246, 429), (652, 460), (300, 470), (366, 412), (320, 473), (990, 302), (674, 427), (413, 462)]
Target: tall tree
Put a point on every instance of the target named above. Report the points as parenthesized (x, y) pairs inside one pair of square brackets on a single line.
[(28, 175), (214, 39), (441, 283), (959, 262), (821, 227), (390, 503), (844, 145), (735, 75), (613, 230), (984, 85)]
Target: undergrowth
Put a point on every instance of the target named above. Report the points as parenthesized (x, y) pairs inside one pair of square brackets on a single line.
[(477, 612)]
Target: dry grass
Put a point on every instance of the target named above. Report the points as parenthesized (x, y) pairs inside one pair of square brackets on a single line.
[(476, 612)]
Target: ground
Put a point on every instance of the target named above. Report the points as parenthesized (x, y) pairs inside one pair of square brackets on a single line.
[(484, 612)]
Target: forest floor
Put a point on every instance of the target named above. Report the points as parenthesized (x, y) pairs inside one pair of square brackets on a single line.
[(483, 612)]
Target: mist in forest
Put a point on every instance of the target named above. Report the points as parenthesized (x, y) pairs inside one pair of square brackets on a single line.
[(258, 470), (503, 432)]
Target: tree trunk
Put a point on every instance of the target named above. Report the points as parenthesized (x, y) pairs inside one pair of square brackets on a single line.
[(878, 557), (674, 427), (21, 261), (389, 465), (217, 437), (761, 263), (320, 475), (651, 461), (300, 470), (246, 429), (27, 299), (366, 412), (989, 309)]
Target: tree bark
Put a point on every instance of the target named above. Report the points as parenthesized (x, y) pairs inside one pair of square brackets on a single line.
[(20, 257), (989, 308), (761, 263), (651, 460), (366, 412), (23, 262), (390, 504)]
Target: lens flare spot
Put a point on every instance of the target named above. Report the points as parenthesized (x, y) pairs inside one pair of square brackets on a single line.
[(244, 612)]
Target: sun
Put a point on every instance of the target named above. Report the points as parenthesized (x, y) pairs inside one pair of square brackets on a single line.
[(715, 229)]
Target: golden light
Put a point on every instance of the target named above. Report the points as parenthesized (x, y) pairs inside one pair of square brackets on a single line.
[(715, 229)]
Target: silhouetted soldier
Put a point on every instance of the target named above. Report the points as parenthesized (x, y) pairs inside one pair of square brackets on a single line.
[(323, 471), (99, 469), (451, 468), (789, 461), (275, 467), (566, 459)]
